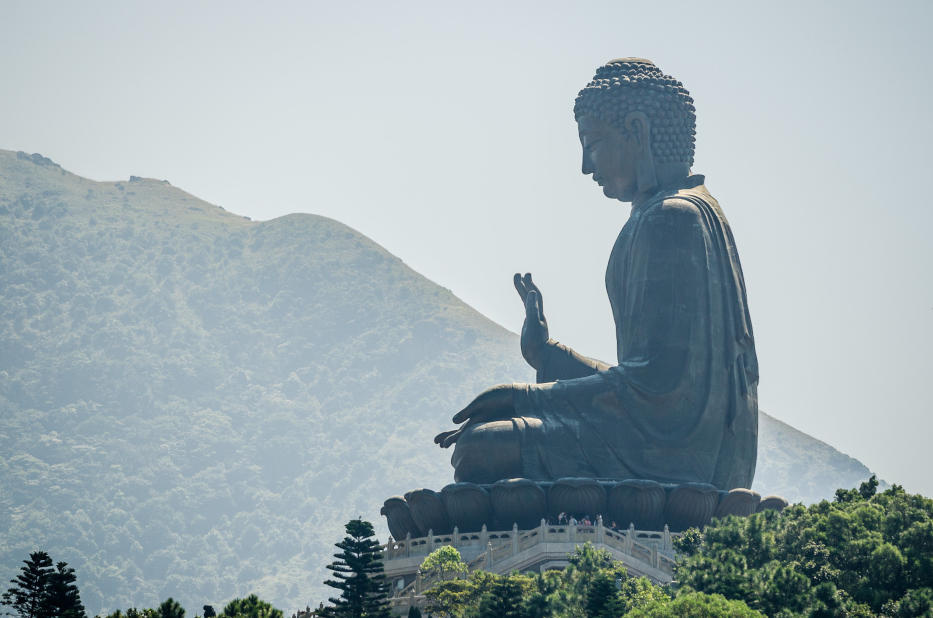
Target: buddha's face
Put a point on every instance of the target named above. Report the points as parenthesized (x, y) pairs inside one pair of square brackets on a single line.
[(610, 157)]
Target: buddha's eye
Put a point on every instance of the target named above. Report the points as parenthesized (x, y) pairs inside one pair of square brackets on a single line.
[(590, 143)]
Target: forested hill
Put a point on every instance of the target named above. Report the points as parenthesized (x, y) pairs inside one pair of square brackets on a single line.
[(192, 403)]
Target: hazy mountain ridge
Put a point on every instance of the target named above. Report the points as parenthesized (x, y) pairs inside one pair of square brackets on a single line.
[(192, 404), (801, 467)]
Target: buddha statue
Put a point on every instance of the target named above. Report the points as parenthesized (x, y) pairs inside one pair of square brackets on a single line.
[(680, 406)]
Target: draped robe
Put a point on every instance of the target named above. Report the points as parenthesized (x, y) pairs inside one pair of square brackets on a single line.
[(681, 405)]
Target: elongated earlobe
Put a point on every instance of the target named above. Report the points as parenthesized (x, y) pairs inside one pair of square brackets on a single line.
[(639, 127), (647, 176)]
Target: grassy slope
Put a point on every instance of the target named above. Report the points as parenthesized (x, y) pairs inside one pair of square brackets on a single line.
[(192, 404)]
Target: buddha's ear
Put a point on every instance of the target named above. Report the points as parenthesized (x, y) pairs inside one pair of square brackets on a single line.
[(638, 128)]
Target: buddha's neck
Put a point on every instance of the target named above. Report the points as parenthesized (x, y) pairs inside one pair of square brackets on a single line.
[(670, 177)]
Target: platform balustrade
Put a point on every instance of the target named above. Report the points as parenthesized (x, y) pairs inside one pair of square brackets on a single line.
[(492, 547)]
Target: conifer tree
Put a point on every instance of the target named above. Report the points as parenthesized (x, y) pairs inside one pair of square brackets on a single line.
[(250, 607), (29, 593), (170, 608), (358, 575), (63, 599), (600, 596), (504, 600)]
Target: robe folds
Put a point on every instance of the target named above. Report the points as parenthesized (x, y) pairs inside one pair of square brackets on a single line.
[(681, 405)]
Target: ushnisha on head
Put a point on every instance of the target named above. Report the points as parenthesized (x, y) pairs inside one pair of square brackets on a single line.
[(650, 119)]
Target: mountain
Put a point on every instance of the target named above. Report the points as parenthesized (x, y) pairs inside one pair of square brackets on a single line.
[(192, 403), (800, 467)]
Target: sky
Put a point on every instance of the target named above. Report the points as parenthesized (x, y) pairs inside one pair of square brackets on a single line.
[(444, 131)]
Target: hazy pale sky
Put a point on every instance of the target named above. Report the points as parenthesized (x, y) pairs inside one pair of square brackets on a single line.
[(444, 131)]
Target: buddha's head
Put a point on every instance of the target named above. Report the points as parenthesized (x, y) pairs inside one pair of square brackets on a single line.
[(637, 128)]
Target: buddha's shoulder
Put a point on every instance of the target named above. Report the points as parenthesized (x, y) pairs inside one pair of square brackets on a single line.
[(682, 207)]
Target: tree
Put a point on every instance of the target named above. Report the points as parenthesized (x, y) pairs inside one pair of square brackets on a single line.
[(865, 553), (452, 598), (573, 584), (250, 607), (696, 604), (538, 603), (208, 611), (869, 488), (917, 602), (444, 563), (689, 542), (29, 594), (505, 598), (639, 592), (62, 597), (414, 612), (358, 575), (170, 608), (601, 597)]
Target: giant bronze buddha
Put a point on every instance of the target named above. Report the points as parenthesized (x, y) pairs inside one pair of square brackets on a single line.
[(681, 404)]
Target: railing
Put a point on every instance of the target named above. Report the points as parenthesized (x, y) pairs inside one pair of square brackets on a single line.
[(423, 546), (545, 533), (652, 547)]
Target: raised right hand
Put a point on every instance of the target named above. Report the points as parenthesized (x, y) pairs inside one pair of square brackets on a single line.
[(534, 330)]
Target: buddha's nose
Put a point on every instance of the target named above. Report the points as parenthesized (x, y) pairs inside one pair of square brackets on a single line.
[(587, 166)]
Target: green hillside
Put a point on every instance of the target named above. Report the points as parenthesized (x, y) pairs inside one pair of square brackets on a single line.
[(192, 404)]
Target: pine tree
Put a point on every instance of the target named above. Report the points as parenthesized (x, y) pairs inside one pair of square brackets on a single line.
[(358, 575), (600, 596), (63, 599), (30, 588), (250, 607), (170, 608), (504, 600)]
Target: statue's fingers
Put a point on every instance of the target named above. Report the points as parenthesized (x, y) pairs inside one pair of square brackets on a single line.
[(468, 412), (486, 405), (531, 286), (472, 409), (441, 437), (520, 286), (533, 311), (452, 438)]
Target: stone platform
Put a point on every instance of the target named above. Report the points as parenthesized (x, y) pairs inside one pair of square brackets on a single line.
[(524, 503), (643, 552)]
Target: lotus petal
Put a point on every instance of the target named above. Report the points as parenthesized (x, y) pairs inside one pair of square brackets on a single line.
[(690, 505), (468, 506), (776, 503), (398, 516), (741, 502), (428, 511), (577, 497), (518, 501), (638, 502)]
